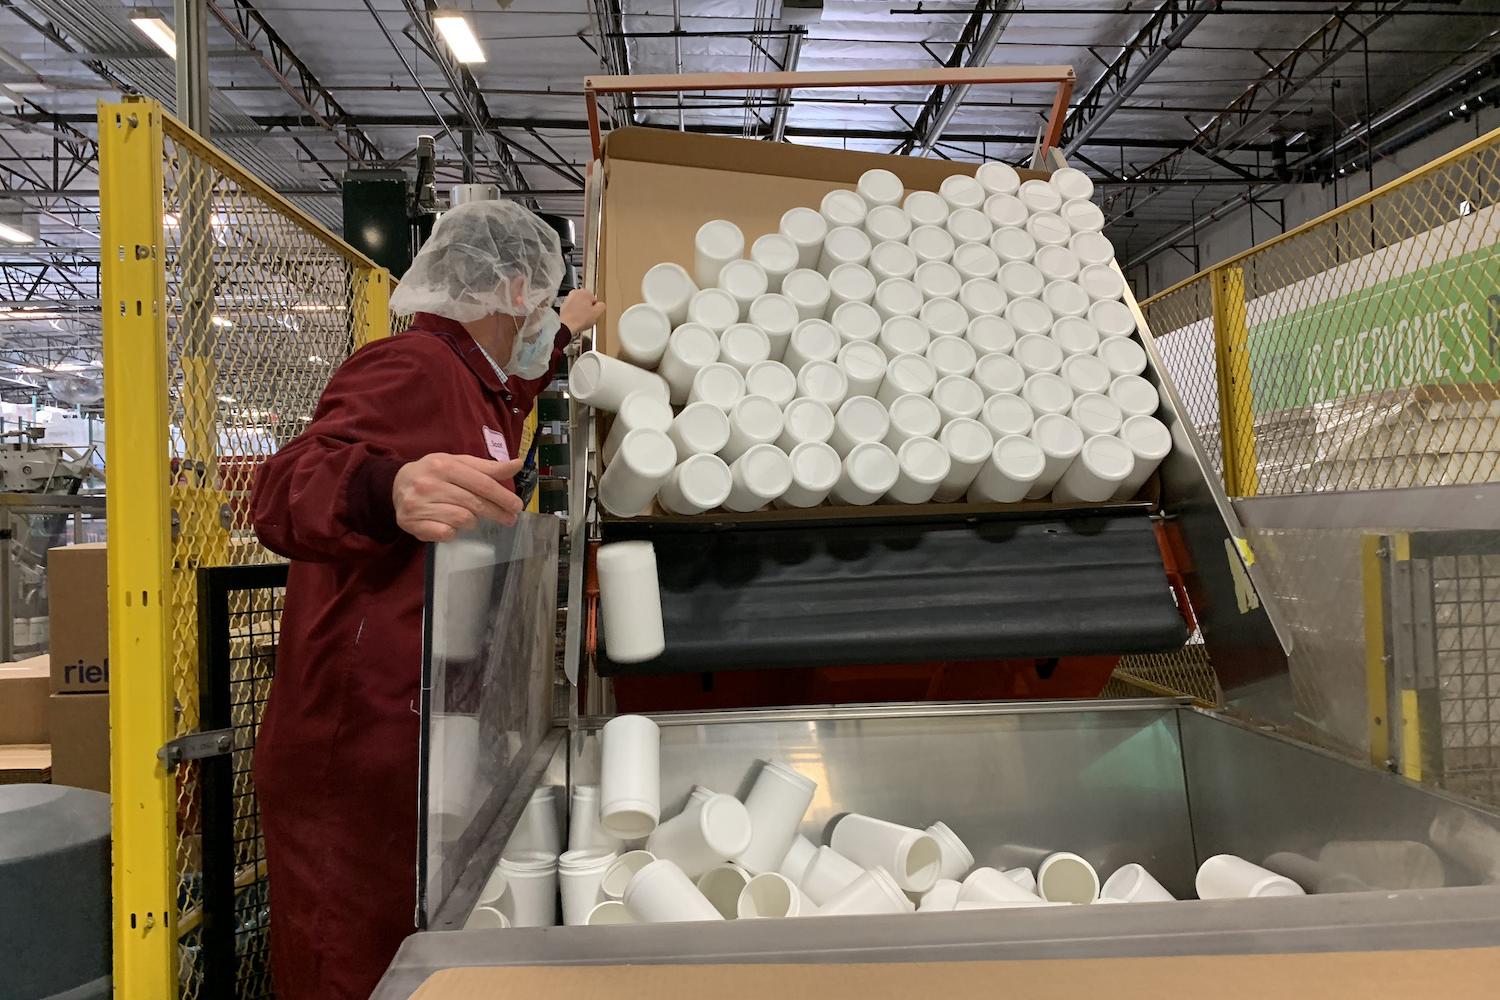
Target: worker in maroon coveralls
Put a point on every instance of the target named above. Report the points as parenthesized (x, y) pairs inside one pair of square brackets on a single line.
[(415, 438)]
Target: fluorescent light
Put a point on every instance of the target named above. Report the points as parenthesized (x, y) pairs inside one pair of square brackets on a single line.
[(459, 34), (14, 234), (159, 32), (222, 323)]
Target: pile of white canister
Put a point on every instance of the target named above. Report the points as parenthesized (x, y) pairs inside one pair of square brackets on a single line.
[(724, 859), (887, 347)]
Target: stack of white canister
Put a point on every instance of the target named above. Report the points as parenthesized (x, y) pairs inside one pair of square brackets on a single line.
[(721, 858), (887, 347)]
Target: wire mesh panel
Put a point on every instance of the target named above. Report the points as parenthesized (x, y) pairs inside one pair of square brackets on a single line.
[(1466, 616)]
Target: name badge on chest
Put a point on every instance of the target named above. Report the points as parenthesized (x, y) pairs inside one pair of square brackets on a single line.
[(495, 444)]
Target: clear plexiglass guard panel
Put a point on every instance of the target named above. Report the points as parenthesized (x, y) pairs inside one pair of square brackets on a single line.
[(489, 632)]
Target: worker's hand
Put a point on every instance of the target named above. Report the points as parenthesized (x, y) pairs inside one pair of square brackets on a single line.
[(439, 495), (580, 311)]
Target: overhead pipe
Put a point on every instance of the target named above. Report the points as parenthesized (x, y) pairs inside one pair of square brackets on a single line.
[(983, 49), (784, 97)]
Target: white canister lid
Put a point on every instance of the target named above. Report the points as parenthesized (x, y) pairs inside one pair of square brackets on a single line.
[(695, 344), (923, 460), (1037, 353), (999, 373), (1072, 183), (1075, 336), (773, 380), (1102, 282), (666, 284), (1107, 457), (862, 361), (1039, 196), (643, 408), (852, 283), (719, 384), (720, 238), (1006, 413), (1029, 316), (774, 252), (958, 396), (887, 222), (1011, 244), (862, 418), (816, 340), (847, 244), (1134, 395), (911, 373), (1096, 414), (774, 313), (808, 419), (842, 207), (1082, 215), (1048, 229), (1092, 248), (650, 453), (758, 418), (1147, 437), (1057, 263), (714, 308), (744, 346), (1123, 355), (967, 440), (926, 208), (938, 280), (997, 177), (806, 288), (856, 320), (1021, 279), (766, 469), (898, 297), (879, 186), (1086, 373), (704, 480), (961, 191), (703, 427), (916, 415), (990, 335), (1066, 298), (824, 381), (872, 467), (643, 331), (982, 297), (976, 260), (931, 243), (904, 335), (1019, 457), (1058, 436), (1112, 318), (815, 465), (803, 225), (744, 279), (893, 260), (969, 225), (1006, 211), (944, 317), (1047, 393), (951, 355)]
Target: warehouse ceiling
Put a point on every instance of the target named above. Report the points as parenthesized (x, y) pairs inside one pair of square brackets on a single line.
[(1180, 108)]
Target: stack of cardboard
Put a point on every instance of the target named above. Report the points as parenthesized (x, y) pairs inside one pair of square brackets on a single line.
[(24, 754), (78, 704)]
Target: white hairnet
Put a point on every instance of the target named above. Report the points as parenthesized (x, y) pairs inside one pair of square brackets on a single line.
[(466, 269)]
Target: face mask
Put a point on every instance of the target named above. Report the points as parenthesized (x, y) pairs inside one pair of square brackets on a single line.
[(532, 352)]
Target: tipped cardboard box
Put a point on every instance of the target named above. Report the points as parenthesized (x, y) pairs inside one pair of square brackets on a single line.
[(25, 764), (23, 700), (79, 728), (78, 602)]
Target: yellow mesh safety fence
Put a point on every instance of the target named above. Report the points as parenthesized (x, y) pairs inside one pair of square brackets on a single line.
[(260, 306)]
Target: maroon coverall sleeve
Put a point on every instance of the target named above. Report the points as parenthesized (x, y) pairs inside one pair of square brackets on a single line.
[(326, 495)]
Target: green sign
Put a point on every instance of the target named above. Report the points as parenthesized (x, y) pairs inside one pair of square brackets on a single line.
[(1439, 324)]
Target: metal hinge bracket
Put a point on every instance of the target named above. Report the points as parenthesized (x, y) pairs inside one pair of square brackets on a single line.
[(197, 746)]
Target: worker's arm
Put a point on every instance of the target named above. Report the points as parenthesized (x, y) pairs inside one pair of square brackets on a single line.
[(368, 470)]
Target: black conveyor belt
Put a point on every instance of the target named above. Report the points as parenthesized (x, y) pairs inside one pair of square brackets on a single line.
[(901, 591)]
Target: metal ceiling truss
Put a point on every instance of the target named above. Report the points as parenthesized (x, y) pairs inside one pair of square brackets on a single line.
[(614, 55), (931, 119), (246, 25)]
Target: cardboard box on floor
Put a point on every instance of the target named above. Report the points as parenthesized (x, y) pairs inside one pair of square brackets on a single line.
[(78, 602), (660, 186), (23, 700), (25, 764), (79, 727)]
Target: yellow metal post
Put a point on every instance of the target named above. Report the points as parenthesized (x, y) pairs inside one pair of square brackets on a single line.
[(528, 435), (135, 400), (1232, 363), (1377, 687), (1410, 723), (372, 305)]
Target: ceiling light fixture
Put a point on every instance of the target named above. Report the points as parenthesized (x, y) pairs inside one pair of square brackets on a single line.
[(459, 34), (15, 234), (159, 31)]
